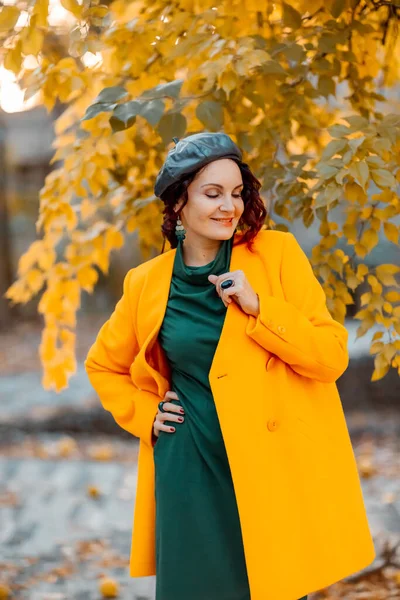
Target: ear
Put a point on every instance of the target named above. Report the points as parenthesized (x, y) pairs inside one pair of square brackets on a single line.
[(177, 206)]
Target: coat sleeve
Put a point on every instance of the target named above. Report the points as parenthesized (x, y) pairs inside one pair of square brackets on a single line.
[(107, 365), (299, 329)]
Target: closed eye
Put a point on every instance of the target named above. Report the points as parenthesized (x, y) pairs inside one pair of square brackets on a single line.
[(234, 196)]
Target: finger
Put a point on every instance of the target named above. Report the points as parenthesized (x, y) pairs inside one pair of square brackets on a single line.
[(166, 416), (168, 406), (161, 427), (171, 394)]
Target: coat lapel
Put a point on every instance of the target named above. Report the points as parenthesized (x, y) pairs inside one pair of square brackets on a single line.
[(155, 298)]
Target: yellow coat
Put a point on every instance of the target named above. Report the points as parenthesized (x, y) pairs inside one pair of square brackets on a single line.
[(300, 502)]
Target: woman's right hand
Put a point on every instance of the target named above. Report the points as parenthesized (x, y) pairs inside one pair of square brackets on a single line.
[(175, 415)]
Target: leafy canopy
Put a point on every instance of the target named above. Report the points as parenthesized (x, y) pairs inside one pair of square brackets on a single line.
[(307, 89)]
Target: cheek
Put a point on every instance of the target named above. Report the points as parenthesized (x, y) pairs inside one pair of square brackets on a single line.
[(239, 206)]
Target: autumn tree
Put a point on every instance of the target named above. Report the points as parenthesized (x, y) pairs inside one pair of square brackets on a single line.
[(306, 89)]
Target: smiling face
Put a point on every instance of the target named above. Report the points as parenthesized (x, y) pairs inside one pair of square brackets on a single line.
[(214, 194)]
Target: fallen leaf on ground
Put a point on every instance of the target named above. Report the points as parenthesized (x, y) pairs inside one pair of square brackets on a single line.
[(109, 587)]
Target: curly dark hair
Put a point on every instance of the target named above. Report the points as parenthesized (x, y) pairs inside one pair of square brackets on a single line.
[(250, 223)]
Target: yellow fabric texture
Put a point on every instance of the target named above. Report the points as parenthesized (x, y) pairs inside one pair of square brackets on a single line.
[(273, 379)]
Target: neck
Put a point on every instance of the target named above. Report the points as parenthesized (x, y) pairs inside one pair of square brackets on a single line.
[(200, 254)]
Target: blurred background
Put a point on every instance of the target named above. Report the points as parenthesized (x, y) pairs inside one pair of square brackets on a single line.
[(67, 472)]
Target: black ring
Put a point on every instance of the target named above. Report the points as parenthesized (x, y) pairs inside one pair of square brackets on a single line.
[(227, 284), (160, 406)]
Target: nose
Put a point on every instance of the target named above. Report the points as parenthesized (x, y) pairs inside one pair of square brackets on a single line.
[(228, 205)]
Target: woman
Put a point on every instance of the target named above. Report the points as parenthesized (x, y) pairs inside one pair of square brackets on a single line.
[(222, 357)]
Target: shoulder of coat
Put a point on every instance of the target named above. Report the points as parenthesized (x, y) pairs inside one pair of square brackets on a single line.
[(267, 239), (138, 274)]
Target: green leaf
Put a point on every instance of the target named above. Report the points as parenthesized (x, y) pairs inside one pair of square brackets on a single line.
[(111, 94), (211, 114), (291, 18), (172, 124), (334, 147), (171, 89), (125, 115), (152, 111), (96, 109)]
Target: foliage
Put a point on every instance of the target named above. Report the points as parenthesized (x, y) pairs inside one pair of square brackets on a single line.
[(304, 88)]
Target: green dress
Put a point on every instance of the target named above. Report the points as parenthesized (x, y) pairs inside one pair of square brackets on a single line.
[(199, 547)]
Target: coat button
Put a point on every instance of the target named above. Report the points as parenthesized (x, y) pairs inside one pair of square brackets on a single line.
[(272, 424), (281, 329), (270, 362)]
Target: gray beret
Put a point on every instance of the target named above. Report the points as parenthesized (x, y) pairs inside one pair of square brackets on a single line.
[(192, 153)]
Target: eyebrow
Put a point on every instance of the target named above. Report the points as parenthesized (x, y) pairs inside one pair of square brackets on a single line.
[(221, 186)]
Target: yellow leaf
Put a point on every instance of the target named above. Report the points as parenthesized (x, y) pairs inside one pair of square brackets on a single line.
[(32, 39), (102, 452), (108, 587), (40, 10), (376, 347), (35, 279), (8, 17), (377, 336), (47, 258), (383, 178), (369, 239), (228, 81), (73, 7), (381, 367), (365, 298), (391, 232), (389, 351), (93, 491), (13, 58), (5, 591), (374, 283), (66, 446), (87, 277), (113, 239), (350, 231), (360, 172), (388, 268), (362, 270), (360, 249), (392, 296), (366, 468), (387, 307), (355, 193)]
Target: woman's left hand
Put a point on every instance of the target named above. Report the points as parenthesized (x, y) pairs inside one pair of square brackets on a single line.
[(241, 291)]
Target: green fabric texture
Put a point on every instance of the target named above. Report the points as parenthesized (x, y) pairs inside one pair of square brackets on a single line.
[(199, 547)]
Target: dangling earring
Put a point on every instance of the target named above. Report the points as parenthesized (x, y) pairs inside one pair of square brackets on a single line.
[(180, 230)]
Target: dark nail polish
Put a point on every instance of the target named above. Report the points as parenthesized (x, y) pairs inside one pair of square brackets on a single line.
[(181, 411), (172, 428), (180, 419)]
